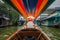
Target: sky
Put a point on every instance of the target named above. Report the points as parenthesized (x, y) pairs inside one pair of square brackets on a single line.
[(56, 3), (1, 1)]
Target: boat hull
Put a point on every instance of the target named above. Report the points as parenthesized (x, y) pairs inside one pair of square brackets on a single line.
[(31, 32)]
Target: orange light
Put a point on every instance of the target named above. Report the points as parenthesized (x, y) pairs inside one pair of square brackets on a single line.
[(20, 6), (40, 8)]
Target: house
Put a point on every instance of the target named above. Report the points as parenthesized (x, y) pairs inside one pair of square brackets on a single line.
[(4, 21)]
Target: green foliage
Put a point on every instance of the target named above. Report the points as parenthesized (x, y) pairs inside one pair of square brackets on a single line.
[(53, 33), (7, 31), (9, 11)]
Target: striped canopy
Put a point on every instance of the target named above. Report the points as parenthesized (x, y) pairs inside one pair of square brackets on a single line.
[(31, 7)]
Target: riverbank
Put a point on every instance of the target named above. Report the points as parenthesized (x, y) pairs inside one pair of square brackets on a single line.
[(7, 31), (53, 33)]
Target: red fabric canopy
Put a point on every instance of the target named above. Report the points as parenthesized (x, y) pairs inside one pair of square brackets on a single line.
[(22, 8)]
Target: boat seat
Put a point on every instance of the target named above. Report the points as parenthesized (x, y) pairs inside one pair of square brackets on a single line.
[(29, 32)]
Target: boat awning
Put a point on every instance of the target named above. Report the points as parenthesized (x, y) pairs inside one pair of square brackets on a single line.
[(30, 7)]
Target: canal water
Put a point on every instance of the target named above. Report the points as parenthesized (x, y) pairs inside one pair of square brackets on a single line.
[(53, 33)]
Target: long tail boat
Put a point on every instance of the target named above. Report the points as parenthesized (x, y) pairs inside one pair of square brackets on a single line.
[(29, 8), (29, 34)]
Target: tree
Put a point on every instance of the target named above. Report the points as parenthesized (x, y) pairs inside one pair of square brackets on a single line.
[(9, 11)]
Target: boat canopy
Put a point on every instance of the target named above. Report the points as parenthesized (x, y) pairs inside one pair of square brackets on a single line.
[(30, 7)]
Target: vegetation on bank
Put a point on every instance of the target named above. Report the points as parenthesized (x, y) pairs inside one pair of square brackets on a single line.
[(53, 33), (7, 31), (9, 12)]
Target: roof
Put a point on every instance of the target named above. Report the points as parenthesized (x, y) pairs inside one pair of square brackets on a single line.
[(49, 11), (6, 18), (53, 15)]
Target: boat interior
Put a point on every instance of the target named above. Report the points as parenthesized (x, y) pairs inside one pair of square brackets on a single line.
[(28, 34)]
